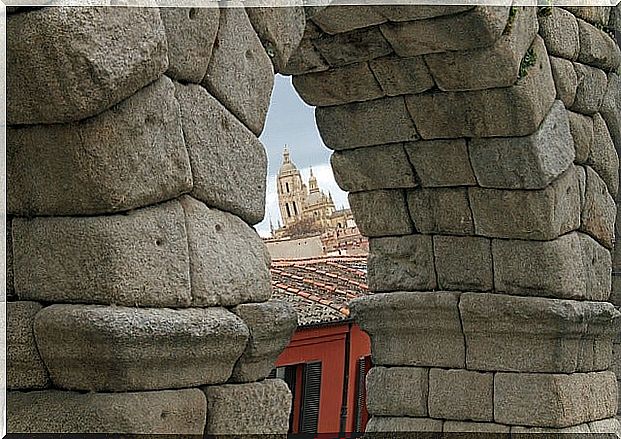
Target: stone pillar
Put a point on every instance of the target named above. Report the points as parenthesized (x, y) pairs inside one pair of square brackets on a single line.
[(139, 301), (477, 146)]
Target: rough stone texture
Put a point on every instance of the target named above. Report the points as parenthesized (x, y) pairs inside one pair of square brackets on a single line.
[(463, 263), (550, 400), (401, 263), (549, 268), (530, 162), (255, 408), (475, 427), (343, 85), (565, 79), (535, 334), (130, 156), (597, 48), (280, 30), (599, 211), (488, 67), (441, 163), (352, 47), (305, 58), (370, 123), (397, 391), (52, 411), (229, 264), (229, 164), (381, 212), (610, 425), (528, 214), (385, 424), (603, 157), (191, 33), (575, 432), (10, 278), (399, 76), (611, 108), (240, 74), (24, 367), (69, 63), (134, 259), (376, 167), (597, 263), (507, 111), (593, 14), (581, 128), (441, 210), (271, 325), (420, 12), (336, 19), (412, 329), (478, 27), (559, 30), (100, 348), (461, 394), (591, 88)]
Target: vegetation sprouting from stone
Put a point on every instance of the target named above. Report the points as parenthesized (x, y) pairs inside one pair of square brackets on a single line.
[(528, 61)]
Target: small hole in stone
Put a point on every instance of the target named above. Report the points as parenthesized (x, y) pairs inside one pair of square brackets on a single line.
[(158, 242), (164, 415), (248, 55), (218, 227), (192, 13)]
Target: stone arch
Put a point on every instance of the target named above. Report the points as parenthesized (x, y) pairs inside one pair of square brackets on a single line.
[(478, 145)]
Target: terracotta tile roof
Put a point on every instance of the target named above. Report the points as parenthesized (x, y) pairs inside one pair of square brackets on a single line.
[(320, 288)]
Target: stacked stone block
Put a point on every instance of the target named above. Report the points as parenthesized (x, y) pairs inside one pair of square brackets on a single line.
[(478, 147), (139, 292)]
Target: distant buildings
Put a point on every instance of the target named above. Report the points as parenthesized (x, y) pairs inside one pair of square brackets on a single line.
[(311, 224)]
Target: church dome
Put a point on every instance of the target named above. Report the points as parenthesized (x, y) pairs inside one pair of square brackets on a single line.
[(287, 165)]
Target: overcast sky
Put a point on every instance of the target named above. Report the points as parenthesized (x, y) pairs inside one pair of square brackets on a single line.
[(290, 121)]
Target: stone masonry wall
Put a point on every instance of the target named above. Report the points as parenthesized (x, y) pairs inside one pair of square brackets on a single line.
[(138, 289), (478, 146)]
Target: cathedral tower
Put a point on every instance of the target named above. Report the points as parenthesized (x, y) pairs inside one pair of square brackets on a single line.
[(291, 191)]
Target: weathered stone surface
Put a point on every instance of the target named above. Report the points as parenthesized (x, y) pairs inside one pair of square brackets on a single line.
[(549, 268), (401, 263), (536, 334), (420, 12), (507, 111), (441, 162), (54, 411), (530, 162), (229, 264), (593, 14), (610, 425), (575, 432), (24, 367), (191, 33), (271, 325), (463, 263), (441, 210), (352, 47), (528, 214), (397, 391), (336, 18), (376, 167), (599, 211), (280, 30), (597, 48), (240, 74), (254, 408), (69, 63), (305, 58), (597, 263), (412, 329), (130, 156), (478, 27), (591, 88), (551, 400), (488, 67), (581, 128), (229, 164), (10, 278), (611, 108), (343, 85), (385, 424), (399, 76), (118, 349), (565, 79), (461, 394), (355, 125), (603, 157), (381, 212), (559, 30), (134, 259), (474, 427)]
